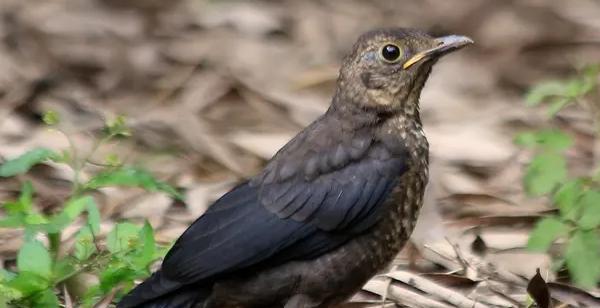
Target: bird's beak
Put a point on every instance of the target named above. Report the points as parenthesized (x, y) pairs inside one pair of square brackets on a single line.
[(445, 44)]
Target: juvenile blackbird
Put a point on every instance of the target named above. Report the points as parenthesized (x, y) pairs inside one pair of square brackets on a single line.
[(330, 209)]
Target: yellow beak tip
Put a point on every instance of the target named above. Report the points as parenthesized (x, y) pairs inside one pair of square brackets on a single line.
[(416, 58)]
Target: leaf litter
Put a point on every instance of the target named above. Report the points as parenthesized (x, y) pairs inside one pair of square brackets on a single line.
[(213, 88)]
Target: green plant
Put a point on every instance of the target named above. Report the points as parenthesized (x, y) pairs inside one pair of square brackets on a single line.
[(42, 269), (577, 198)]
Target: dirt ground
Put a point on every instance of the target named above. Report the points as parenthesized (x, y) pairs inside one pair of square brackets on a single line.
[(211, 89)]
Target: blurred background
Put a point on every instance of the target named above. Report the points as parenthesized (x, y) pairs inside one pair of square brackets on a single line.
[(211, 89)]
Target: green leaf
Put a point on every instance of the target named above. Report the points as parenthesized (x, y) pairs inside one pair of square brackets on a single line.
[(583, 253), (122, 237), (546, 231), (26, 197), (540, 92), (65, 268), (46, 299), (35, 219), (116, 273), (6, 275), (557, 105), (566, 91), (51, 117), (544, 173), (575, 88), (147, 252), (554, 140), (566, 198), (24, 162), (93, 217), (113, 160), (547, 139), (590, 210), (24, 204), (65, 156), (117, 127), (590, 77), (73, 208), (131, 177), (91, 296), (12, 222), (526, 139), (33, 257), (7, 294), (28, 283), (13, 208), (84, 244)]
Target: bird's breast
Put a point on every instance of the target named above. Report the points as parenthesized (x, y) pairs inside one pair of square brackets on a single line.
[(405, 200), (348, 268)]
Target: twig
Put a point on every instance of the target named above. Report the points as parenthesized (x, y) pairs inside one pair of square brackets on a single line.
[(68, 301), (459, 256), (108, 298), (440, 291), (504, 295), (389, 282), (74, 163), (594, 109), (402, 295)]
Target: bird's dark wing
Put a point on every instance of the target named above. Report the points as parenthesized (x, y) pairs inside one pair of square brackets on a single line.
[(234, 233), (333, 182), (346, 199), (286, 213)]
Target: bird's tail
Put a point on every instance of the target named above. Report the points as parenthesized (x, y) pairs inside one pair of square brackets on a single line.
[(159, 292), (184, 298)]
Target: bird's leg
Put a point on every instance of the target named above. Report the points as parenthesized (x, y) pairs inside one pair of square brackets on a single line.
[(301, 301)]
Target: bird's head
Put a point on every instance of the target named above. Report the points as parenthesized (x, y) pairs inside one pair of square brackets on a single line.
[(388, 68)]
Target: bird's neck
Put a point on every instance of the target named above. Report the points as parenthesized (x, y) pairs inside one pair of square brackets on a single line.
[(398, 130), (358, 117)]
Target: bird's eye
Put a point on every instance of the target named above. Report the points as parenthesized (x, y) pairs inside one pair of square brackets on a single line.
[(391, 53)]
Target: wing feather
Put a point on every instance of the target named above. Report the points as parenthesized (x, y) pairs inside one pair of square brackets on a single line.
[(338, 197)]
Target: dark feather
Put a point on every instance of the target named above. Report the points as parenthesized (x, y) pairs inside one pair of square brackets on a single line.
[(347, 193)]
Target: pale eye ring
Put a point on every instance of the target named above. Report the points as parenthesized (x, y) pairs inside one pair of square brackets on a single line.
[(390, 53)]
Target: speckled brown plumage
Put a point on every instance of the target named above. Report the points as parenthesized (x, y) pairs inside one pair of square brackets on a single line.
[(331, 208)]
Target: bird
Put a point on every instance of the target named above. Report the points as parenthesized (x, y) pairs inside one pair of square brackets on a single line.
[(331, 208)]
